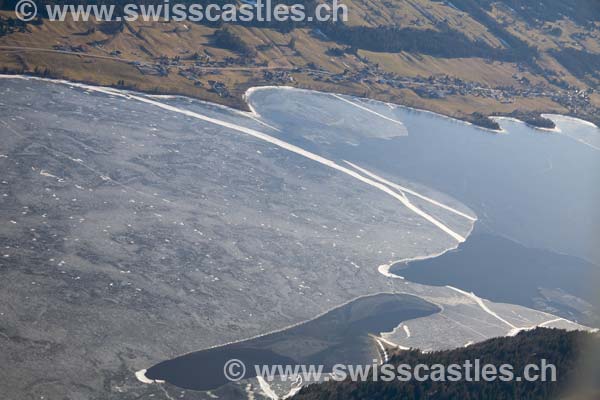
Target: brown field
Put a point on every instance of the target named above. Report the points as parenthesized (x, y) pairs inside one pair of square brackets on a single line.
[(105, 57)]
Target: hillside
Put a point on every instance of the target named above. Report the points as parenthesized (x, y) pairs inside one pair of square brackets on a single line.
[(465, 58), (568, 351)]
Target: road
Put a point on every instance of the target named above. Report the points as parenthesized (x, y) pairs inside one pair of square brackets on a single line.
[(130, 61)]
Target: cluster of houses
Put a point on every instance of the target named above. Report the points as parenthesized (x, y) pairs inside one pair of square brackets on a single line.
[(277, 76), (219, 88), (441, 86), (73, 49), (151, 69)]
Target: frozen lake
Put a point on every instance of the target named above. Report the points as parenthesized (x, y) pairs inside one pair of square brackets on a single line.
[(136, 229)]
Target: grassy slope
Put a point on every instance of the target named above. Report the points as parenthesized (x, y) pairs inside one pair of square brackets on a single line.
[(145, 42)]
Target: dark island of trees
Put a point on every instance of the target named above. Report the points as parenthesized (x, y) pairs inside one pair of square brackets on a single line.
[(534, 119)]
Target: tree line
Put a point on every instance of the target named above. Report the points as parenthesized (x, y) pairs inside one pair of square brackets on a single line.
[(561, 348)]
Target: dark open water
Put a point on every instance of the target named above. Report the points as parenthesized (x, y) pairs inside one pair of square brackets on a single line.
[(340, 336)]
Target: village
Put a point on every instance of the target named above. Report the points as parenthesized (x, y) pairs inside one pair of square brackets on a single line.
[(427, 87)]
